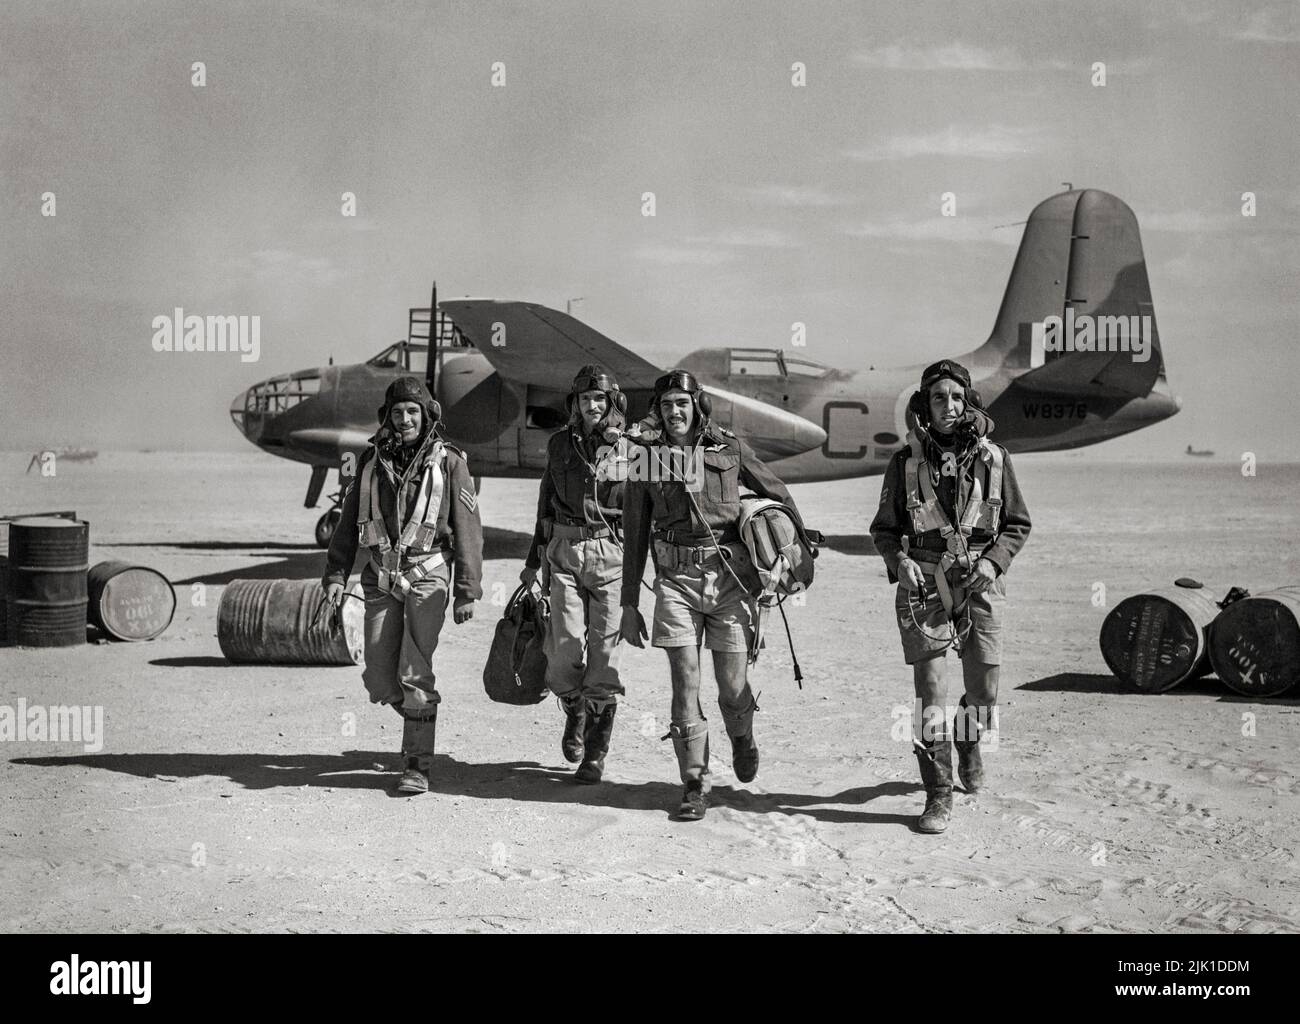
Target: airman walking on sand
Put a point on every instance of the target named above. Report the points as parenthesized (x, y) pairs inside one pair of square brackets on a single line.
[(413, 505), (579, 527), (951, 519), (698, 596)]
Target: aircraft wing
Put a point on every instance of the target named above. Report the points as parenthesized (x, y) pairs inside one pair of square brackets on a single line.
[(531, 344)]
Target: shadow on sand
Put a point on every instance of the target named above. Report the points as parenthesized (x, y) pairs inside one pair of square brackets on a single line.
[(307, 561), (850, 543), (507, 780), (1202, 686), (193, 661)]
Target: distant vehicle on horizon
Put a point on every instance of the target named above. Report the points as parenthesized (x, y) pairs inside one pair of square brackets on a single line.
[(501, 371), (68, 452), (1190, 451)]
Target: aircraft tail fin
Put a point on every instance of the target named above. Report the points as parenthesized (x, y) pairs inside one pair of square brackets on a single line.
[(1077, 314)]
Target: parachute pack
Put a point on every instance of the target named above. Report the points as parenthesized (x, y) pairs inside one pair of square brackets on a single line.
[(781, 556), (778, 547)]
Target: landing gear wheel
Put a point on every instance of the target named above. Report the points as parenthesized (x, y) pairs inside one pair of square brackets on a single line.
[(326, 525)]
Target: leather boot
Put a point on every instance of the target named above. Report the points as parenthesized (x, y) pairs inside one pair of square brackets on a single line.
[(417, 749), (695, 803), (970, 765), (740, 730), (575, 726), (600, 726), (936, 775), (691, 744)]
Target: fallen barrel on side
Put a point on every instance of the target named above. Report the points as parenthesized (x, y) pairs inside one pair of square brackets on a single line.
[(1255, 643), (282, 622), (45, 600), (1153, 641), (129, 602)]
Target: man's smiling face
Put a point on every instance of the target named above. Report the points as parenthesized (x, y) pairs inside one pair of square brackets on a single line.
[(677, 409)]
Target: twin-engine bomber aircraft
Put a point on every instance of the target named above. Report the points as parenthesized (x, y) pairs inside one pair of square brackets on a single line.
[(1074, 358)]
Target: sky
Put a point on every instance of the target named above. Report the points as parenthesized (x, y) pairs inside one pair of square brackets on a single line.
[(774, 202)]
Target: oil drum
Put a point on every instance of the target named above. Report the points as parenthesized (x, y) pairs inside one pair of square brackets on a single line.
[(129, 602), (284, 622), (46, 592), (1153, 641), (1255, 643), (4, 599)]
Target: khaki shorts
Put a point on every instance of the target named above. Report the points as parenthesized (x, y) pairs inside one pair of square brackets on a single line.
[(702, 604), (983, 642)]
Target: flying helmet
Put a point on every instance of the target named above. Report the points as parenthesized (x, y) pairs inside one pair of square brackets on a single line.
[(594, 377), (682, 380)]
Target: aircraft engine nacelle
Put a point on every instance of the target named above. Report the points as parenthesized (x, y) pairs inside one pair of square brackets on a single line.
[(772, 433)]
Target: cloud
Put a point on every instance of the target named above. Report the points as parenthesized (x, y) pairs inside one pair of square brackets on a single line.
[(956, 56), (980, 230), (1189, 221), (798, 196), (759, 238), (285, 266), (998, 142), (1271, 25), (683, 255), (719, 247)]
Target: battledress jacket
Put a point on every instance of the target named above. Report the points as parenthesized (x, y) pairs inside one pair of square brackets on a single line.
[(460, 534), (893, 523), (649, 506), (566, 493)]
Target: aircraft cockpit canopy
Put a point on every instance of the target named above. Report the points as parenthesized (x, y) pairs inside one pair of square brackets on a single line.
[(772, 362), (405, 355)]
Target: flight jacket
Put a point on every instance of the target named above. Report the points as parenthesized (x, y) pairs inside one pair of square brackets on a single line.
[(657, 507)]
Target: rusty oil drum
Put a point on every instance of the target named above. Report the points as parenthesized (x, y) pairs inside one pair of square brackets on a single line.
[(281, 622), (45, 595), (1255, 643), (128, 601), (1154, 641)]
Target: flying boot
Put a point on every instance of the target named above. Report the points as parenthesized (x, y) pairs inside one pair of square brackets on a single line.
[(575, 726), (600, 726), (935, 760), (740, 730), (970, 765), (691, 743), (417, 749)]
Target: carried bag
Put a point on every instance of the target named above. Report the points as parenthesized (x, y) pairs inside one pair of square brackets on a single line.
[(515, 672), (778, 546), (780, 554)]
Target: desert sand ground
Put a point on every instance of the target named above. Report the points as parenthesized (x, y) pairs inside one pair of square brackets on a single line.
[(239, 799)]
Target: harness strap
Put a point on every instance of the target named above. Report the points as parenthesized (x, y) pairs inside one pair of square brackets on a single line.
[(419, 533), (398, 582)]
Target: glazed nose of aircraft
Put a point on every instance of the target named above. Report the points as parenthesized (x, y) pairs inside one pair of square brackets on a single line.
[(256, 410), (248, 420)]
